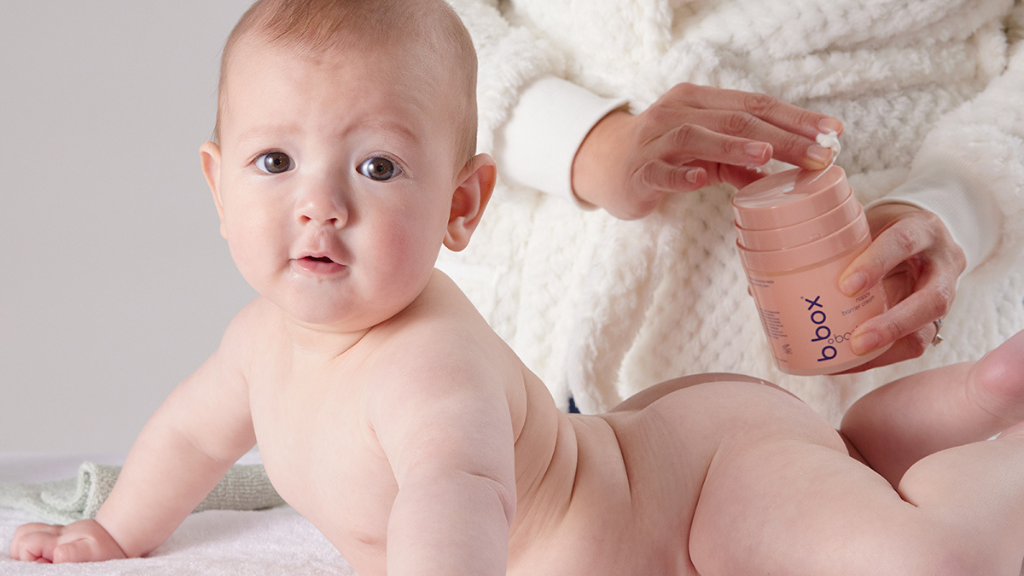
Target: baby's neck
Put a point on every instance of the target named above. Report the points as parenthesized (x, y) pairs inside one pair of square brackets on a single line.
[(320, 340)]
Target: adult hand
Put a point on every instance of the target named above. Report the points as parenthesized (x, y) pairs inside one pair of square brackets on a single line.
[(82, 541), (918, 262), (693, 136)]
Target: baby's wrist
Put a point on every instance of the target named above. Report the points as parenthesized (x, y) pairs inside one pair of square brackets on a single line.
[(120, 539)]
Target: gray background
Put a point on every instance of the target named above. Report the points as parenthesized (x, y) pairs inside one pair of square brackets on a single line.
[(114, 281)]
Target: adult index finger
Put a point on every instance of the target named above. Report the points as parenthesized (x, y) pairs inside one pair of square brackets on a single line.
[(786, 145), (787, 116)]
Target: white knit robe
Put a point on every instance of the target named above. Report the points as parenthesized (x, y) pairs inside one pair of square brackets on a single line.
[(932, 96)]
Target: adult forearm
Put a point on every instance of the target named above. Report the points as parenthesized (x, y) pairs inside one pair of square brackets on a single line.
[(510, 58), (969, 171)]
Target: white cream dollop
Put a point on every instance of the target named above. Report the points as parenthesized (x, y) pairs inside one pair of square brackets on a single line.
[(830, 141)]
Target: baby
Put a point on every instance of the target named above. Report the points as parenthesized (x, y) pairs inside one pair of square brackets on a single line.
[(391, 416)]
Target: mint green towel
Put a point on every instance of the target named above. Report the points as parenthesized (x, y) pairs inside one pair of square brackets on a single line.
[(244, 487)]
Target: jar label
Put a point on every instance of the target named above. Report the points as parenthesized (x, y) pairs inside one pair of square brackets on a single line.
[(809, 322)]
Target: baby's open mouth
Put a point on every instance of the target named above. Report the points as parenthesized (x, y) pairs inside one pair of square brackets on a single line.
[(319, 264)]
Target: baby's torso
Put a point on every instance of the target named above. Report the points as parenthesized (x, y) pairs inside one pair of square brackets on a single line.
[(590, 500), (596, 495), (582, 506), (312, 440)]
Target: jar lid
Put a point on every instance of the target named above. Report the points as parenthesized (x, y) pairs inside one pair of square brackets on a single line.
[(802, 233), (854, 234), (790, 197)]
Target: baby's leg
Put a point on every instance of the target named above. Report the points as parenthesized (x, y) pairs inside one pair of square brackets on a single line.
[(789, 505), (898, 424)]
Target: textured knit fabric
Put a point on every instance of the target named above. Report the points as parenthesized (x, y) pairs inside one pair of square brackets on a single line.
[(602, 308), (244, 487)]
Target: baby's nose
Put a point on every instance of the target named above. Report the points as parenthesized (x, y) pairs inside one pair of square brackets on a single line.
[(322, 204)]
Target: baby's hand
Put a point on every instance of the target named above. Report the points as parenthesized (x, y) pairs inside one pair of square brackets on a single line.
[(82, 541)]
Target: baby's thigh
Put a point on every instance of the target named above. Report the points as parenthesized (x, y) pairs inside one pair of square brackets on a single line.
[(687, 428), (783, 496)]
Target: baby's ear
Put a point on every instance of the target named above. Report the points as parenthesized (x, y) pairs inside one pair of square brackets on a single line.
[(476, 182), (209, 155)]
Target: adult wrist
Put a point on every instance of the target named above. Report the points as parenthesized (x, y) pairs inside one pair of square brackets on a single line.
[(589, 168), (539, 143), (950, 193)]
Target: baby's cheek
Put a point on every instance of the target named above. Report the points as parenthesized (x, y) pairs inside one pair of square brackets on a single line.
[(251, 251), (404, 254), (394, 239), (241, 254)]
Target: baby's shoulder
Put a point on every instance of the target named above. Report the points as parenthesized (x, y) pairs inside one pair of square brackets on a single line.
[(441, 338), (441, 318), (248, 327), (254, 317)]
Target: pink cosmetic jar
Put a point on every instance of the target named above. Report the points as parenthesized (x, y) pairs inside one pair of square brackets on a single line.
[(797, 231)]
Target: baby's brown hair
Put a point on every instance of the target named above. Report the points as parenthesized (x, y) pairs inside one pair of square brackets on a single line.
[(317, 26)]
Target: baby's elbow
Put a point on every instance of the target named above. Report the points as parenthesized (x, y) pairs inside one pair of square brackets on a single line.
[(505, 492), (453, 488), (507, 496)]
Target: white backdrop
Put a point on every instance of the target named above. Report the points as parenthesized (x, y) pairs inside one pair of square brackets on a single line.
[(114, 281)]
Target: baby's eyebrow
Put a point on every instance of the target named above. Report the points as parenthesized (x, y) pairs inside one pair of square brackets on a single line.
[(392, 127), (384, 125), (263, 132)]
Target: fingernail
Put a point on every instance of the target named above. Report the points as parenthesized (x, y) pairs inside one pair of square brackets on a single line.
[(830, 125), (693, 175), (853, 283), (819, 153), (758, 150), (864, 343)]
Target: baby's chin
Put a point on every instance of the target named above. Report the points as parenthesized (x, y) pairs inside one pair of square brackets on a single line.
[(325, 318), (339, 303), (332, 317)]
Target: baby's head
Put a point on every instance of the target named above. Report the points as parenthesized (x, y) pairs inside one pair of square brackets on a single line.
[(344, 152), (420, 41)]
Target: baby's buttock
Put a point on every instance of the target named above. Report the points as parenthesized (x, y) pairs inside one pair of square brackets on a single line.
[(640, 471)]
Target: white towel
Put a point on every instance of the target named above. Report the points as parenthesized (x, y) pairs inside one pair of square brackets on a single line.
[(271, 542)]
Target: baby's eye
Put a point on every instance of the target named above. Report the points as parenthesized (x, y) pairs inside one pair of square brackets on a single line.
[(274, 162), (379, 169)]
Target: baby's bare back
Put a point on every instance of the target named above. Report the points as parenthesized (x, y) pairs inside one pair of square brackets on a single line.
[(610, 494)]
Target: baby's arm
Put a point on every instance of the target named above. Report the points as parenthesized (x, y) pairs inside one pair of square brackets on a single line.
[(444, 425), (902, 422), (198, 432)]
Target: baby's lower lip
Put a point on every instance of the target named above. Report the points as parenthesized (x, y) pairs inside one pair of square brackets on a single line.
[(318, 265)]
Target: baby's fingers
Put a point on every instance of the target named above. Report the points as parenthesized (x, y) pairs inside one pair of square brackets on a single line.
[(86, 541), (35, 542), (80, 550)]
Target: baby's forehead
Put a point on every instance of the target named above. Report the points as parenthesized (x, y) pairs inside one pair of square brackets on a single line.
[(428, 59), (273, 92), (407, 64), (424, 36)]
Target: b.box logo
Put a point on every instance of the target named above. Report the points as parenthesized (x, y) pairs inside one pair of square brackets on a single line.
[(822, 333)]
